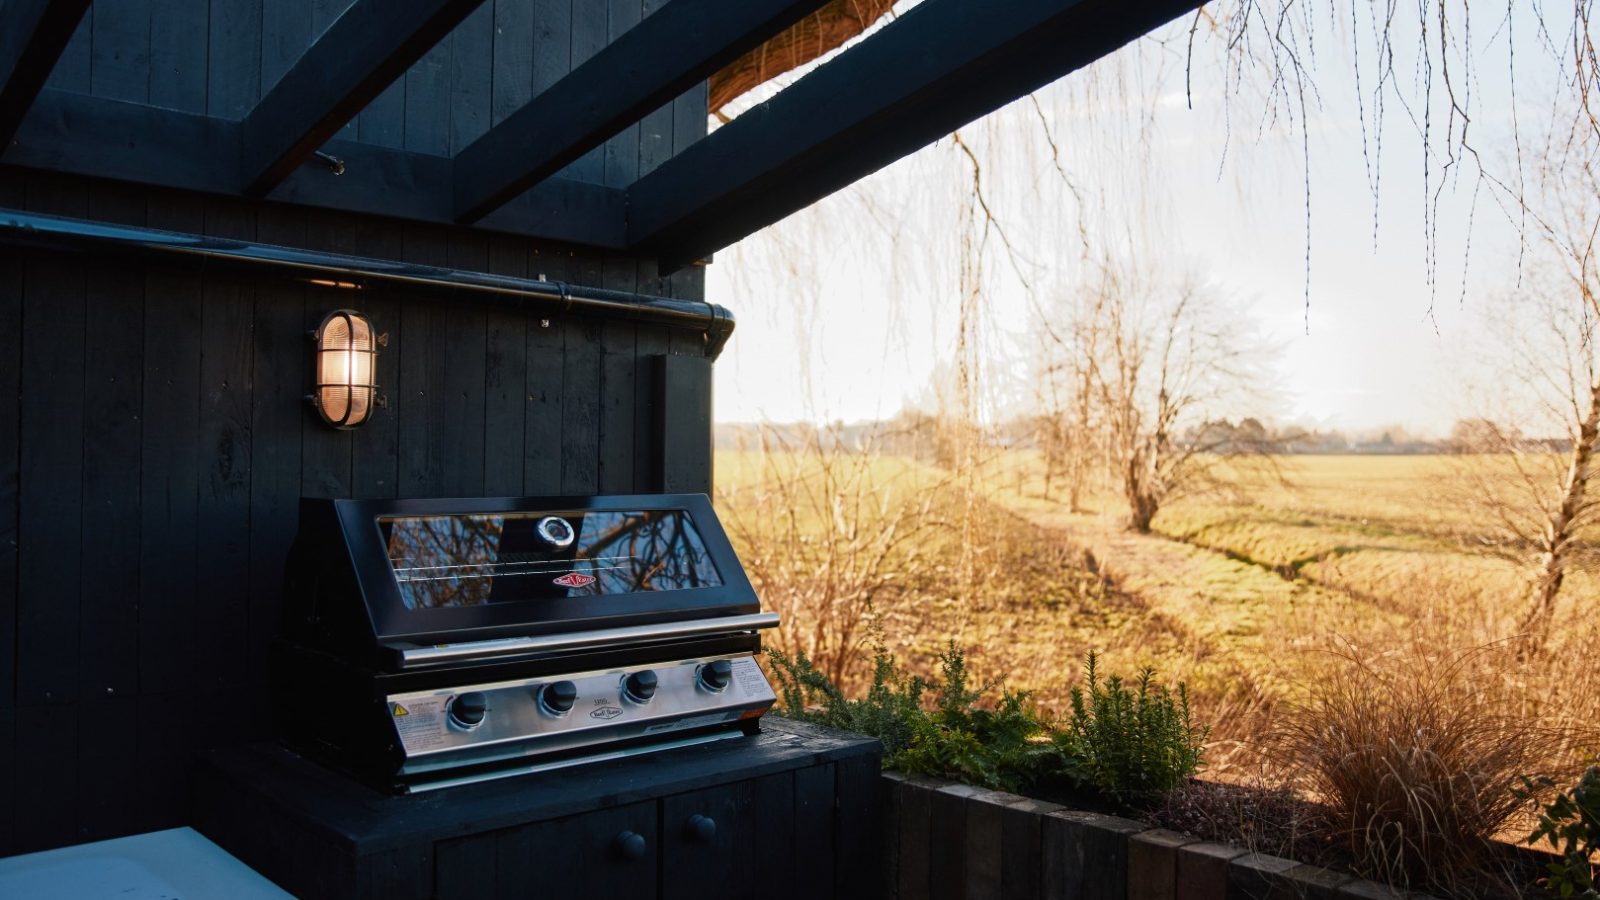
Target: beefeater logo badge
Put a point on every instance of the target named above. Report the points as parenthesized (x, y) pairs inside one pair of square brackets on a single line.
[(575, 580)]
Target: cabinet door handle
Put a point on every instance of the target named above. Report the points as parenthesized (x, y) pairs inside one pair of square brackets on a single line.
[(630, 845), (700, 828)]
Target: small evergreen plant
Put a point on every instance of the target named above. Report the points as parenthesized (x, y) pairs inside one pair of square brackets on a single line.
[(1125, 745), (929, 726), (1571, 824), (1131, 743)]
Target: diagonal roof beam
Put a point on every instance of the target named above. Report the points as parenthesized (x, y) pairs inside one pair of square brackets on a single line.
[(32, 35), (360, 54), (936, 68), (680, 44)]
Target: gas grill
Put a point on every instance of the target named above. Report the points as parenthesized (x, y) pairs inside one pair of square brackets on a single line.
[(429, 643)]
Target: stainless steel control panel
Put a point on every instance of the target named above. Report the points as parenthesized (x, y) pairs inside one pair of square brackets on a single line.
[(511, 719)]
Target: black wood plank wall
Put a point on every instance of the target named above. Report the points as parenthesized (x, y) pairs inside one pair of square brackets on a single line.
[(154, 440), (220, 56)]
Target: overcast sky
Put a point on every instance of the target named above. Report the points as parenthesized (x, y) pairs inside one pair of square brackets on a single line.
[(849, 310)]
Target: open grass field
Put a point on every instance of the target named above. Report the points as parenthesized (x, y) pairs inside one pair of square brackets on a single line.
[(1395, 530), (854, 551), (1247, 593)]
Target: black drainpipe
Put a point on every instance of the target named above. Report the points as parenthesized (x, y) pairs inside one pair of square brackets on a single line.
[(337, 270)]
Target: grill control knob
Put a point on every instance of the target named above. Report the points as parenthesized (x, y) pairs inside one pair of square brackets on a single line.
[(468, 710), (558, 696), (716, 675), (640, 686)]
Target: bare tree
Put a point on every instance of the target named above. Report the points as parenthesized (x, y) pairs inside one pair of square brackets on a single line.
[(1548, 373), (1561, 528), (1064, 426), (1574, 180), (1153, 360)]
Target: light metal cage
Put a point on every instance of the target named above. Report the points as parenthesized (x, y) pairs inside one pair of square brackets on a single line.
[(346, 368)]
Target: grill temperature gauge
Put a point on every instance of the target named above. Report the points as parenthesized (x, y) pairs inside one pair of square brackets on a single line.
[(555, 531)]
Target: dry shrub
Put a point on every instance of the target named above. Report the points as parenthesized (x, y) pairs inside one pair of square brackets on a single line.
[(1415, 755), (854, 546), (829, 534), (1237, 716)]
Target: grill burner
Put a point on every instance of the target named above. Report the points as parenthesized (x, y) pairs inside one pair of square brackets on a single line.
[(435, 642)]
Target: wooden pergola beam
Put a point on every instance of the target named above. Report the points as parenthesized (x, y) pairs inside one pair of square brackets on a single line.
[(680, 44), (933, 70), (33, 33), (360, 55), (103, 138)]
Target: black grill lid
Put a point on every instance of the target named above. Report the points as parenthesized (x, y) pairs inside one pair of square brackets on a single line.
[(420, 572)]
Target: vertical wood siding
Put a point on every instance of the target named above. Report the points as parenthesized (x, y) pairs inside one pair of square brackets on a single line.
[(154, 438), (154, 442), (221, 56)]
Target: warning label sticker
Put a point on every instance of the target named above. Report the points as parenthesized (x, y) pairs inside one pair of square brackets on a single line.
[(420, 723), (747, 675)]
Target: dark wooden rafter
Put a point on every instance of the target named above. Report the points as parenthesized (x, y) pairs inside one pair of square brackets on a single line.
[(936, 68), (360, 54), (76, 133), (32, 35), (670, 50)]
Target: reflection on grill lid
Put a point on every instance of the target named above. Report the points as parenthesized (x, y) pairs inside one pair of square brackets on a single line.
[(469, 559), (393, 575)]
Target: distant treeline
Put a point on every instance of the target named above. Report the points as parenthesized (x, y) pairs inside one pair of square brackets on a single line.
[(922, 435)]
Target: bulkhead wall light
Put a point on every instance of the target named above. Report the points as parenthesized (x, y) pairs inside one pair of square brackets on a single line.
[(345, 368)]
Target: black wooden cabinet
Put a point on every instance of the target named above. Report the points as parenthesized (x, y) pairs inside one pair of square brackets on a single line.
[(789, 813), (711, 835), (574, 856)]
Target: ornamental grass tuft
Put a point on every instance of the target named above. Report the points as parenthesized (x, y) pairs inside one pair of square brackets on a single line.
[(1418, 763)]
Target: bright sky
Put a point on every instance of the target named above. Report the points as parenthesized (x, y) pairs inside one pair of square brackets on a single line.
[(849, 310)]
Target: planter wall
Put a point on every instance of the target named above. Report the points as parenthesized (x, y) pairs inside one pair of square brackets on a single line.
[(946, 841)]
